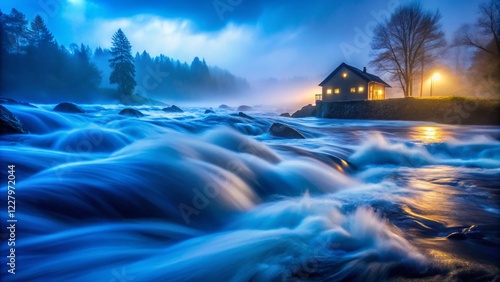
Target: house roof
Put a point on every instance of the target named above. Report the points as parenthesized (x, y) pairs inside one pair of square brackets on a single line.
[(364, 75)]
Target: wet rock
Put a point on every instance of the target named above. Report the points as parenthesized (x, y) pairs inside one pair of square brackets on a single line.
[(173, 109), (9, 101), (209, 112), (243, 115), (282, 130), (244, 108), (9, 124), (224, 107), (456, 236), (285, 115), (306, 111), (473, 232), (68, 108), (131, 112)]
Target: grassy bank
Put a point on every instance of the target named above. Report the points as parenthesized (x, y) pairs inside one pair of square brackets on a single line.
[(449, 110)]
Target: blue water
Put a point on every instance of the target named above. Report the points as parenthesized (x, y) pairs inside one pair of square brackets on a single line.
[(195, 197)]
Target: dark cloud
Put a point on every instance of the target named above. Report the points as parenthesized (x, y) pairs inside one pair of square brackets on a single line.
[(210, 15), (289, 37), (207, 15)]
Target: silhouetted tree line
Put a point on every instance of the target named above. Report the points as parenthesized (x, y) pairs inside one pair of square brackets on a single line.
[(34, 67), (162, 77)]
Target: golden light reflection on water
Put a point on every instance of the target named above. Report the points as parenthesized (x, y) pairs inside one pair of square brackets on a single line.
[(432, 203), (427, 134)]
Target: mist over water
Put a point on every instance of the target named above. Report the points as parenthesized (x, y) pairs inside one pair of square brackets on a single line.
[(215, 197)]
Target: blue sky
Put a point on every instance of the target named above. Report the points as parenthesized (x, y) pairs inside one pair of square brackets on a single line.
[(257, 39)]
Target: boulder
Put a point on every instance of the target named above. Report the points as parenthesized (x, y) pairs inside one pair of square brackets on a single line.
[(68, 108), (243, 115), (285, 115), (9, 101), (473, 232), (131, 112), (306, 111), (223, 106), (245, 108), (282, 130), (9, 124), (209, 112), (173, 109), (456, 236)]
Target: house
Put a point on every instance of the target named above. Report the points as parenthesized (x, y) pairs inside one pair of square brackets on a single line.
[(347, 83)]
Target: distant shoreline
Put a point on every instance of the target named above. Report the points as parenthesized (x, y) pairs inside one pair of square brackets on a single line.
[(446, 110)]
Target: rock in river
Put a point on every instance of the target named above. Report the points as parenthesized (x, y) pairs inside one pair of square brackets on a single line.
[(68, 108), (306, 111), (9, 101), (285, 131), (131, 112), (173, 109), (457, 236), (9, 123), (243, 115), (245, 108)]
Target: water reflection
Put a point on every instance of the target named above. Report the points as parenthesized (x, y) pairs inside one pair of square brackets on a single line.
[(427, 134)]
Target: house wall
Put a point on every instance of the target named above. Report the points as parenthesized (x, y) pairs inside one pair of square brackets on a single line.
[(345, 85)]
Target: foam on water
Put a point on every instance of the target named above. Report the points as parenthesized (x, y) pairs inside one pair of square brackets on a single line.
[(183, 197)]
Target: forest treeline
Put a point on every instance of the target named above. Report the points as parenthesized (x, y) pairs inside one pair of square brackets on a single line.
[(36, 68)]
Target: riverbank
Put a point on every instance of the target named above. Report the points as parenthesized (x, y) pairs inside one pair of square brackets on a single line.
[(447, 110)]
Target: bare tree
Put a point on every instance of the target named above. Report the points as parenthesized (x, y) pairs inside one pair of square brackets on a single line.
[(484, 35), (409, 39)]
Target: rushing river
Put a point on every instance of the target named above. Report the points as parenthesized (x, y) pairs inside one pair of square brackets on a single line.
[(214, 197)]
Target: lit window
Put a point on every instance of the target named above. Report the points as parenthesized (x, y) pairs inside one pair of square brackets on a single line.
[(380, 92), (337, 90), (328, 91), (344, 75), (353, 90), (361, 89)]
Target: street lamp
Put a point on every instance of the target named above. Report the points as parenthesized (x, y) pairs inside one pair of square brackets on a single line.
[(434, 76)]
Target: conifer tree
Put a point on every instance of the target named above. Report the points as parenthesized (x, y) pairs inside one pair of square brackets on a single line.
[(122, 65)]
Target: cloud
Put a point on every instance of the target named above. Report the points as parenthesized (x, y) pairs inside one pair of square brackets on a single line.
[(173, 37), (206, 14), (213, 15), (253, 38)]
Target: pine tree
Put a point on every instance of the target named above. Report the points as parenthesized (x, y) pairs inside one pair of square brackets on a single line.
[(87, 71), (3, 45), (14, 26), (122, 65), (38, 34)]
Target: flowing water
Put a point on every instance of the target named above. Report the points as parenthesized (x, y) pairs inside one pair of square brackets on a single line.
[(195, 197)]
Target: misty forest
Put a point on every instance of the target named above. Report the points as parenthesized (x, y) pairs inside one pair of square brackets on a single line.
[(259, 140), (30, 53)]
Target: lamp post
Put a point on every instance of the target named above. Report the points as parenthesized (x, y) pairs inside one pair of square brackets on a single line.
[(434, 76)]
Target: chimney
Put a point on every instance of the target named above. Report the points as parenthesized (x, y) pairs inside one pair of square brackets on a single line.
[(364, 69)]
